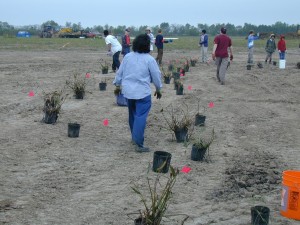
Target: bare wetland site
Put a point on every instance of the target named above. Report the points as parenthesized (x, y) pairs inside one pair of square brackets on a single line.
[(48, 178)]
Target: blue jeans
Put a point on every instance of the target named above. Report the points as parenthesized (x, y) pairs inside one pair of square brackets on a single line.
[(138, 110), (116, 61), (281, 55), (126, 50)]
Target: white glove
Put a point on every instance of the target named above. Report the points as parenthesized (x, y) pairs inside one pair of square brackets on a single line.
[(279, 51), (109, 53)]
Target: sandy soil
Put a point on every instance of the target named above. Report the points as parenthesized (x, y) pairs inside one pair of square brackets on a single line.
[(48, 178)]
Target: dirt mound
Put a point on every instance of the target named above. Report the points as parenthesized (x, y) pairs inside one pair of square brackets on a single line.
[(248, 175)]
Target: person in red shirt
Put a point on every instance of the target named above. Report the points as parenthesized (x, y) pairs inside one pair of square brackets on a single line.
[(126, 42), (222, 43), (281, 45)]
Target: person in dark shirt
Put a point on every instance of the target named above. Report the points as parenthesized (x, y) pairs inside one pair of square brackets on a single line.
[(159, 43)]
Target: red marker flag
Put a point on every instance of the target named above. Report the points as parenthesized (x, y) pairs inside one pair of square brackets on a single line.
[(211, 105), (31, 93), (186, 169), (105, 122)]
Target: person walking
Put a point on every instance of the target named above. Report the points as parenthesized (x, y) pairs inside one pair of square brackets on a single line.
[(151, 36), (203, 43), (222, 43), (251, 39), (270, 48), (159, 43), (114, 49), (137, 71), (126, 42), (281, 45)]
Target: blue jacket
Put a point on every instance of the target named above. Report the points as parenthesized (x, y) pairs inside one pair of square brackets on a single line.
[(204, 40), (251, 39)]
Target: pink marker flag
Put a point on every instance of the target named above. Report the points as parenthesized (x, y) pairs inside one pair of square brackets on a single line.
[(189, 87), (105, 122), (186, 169), (181, 75), (87, 75), (31, 93), (211, 105)]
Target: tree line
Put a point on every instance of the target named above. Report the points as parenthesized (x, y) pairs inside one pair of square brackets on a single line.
[(168, 29)]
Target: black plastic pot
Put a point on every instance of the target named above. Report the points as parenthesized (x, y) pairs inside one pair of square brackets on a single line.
[(179, 91), (79, 95), (73, 130), (161, 161), (199, 120), (193, 63), (104, 71), (248, 67), (198, 154), (167, 80), (274, 63), (50, 118), (138, 221), (260, 215), (102, 86), (181, 135)]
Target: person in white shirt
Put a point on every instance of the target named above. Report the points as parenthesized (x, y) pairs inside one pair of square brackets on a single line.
[(114, 49), (152, 39)]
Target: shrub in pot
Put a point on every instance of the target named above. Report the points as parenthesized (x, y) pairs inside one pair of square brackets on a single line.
[(52, 105), (179, 121), (78, 85), (201, 146), (156, 206), (104, 66)]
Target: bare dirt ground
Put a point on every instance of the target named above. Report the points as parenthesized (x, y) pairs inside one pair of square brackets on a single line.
[(48, 178)]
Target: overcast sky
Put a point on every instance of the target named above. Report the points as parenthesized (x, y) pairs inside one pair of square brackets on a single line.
[(139, 12)]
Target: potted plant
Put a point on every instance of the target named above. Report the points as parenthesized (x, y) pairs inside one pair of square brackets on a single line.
[(200, 147), (167, 75), (200, 117), (104, 66), (186, 65), (179, 121), (298, 65), (52, 105), (179, 87), (193, 61), (102, 85), (78, 85), (156, 206)]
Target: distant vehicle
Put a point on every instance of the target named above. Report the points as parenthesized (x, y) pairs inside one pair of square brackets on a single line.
[(23, 34), (70, 33), (90, 35), (47, 32)]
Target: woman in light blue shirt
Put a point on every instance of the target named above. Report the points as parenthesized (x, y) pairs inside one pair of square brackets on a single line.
[(137, 70)]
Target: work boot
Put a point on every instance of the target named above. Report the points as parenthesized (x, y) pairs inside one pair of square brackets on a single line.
[(141, 149)]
